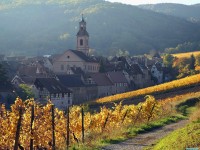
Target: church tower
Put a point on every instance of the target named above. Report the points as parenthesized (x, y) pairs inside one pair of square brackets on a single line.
[(83, 38)]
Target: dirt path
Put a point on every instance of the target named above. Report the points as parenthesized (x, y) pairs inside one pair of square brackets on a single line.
[(146, 139)]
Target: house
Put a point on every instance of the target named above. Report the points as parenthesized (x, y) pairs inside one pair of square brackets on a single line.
[(136, 76), (157, 73), (82, 91), (51, 89), (79, 58), (75, 59), (147, 78), (104, 84), (119, 81), (27, 73), (16, 81)]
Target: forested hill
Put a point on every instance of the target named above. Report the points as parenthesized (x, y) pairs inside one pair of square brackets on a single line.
[(189, 12), (33, 27)]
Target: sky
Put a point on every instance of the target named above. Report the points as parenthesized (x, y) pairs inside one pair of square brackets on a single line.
[(137, 2)]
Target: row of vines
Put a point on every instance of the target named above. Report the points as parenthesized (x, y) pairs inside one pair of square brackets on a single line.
[(32, 126), (173, 85)]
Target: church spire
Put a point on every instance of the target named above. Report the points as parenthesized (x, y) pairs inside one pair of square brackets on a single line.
[(83, 37), (82, 18)]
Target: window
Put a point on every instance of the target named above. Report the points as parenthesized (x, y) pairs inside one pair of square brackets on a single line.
[(68, 57), (63, 95), (68, 94), (81, 42)]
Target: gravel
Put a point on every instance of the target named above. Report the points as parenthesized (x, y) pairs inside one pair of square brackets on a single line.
[(146, 139)]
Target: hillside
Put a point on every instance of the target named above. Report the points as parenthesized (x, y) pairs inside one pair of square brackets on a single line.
[(187, 55), (36, 27), (189, 12), (176, 85)]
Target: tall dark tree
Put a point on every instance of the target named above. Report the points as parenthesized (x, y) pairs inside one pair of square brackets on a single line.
[(102, 67), (192, 62), (3, 77)]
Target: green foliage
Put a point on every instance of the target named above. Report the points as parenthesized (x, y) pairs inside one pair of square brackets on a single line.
[(168, 60), (185, 66), (132, 131), (188, 136), (185, 47), (25, 92), (120, 53), (183, 107)]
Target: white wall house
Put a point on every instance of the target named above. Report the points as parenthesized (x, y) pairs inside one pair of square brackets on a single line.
[(74, 59), (53, 90), (157, 72)]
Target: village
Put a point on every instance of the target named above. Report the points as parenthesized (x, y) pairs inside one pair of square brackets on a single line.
[(75, 76)]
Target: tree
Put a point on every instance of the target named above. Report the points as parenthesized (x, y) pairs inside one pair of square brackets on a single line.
[(121, 52), (102, 67), (168, 60), (25, 92), (192, 62), (197, 60), (3, 77)]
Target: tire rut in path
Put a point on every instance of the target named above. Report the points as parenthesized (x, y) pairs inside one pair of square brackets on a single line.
[(146, 139)]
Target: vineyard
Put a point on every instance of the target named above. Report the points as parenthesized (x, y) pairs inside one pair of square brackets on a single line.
[(30, 125), (186, 55), (173, 85)]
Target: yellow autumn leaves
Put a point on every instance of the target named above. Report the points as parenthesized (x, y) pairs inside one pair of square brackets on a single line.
[(106, 120)]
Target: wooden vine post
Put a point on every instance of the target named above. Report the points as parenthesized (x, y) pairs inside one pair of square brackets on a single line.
[(17, 135), (68, 127), (151, 112), (53, 128), (32, 119), (124, 116), (105, 122), (83, 129), (139, 111)]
